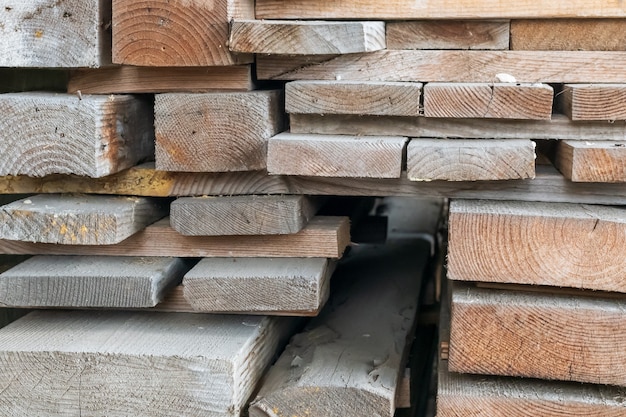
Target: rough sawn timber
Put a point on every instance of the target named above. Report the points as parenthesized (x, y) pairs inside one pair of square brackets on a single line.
[(594, 101), (583, 161)]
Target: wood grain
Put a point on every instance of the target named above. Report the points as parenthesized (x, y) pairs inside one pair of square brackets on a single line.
[(345, 97), (493, 101), (470, 159), (90, 281), (48, 133), (293, 286), (594, 101), (592, 161), (216, 132), (55, 34), (450, 66), (448, 34), (536, 335), (569, 35), (323, 237), (562, 245), (145, 364), (78, 219), (129, 79), (297, 37), (187, 33)]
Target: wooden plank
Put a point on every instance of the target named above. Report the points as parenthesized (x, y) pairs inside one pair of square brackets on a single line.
[(46, 33), (176, 34), (451, 66), (216, 132), (145, 364), (336, 156), (594, 102), (295, 286), (560, 127), (444, 9), (556, 337), (482, 396), (48, 133), (569, 35), (90, 281), (350, 358), (77, 219), (27, 79), (592, 161), (297, 37), (561, 245), (242, 215), (448, 34), (323, 237), (470, 159), (129, 79), (493, 100), (339, 97)]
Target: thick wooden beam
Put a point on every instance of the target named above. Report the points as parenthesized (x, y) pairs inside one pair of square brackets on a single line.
[(594, 101), (162, 33), (294, 286), (130, 79), (561, 245), (450, 66), (55, 34), (216, 132), (297, 37), (591, 161), (143, 364), (339, 97), (488, 100), (48, 133), (78, 219), (348, 361), (555, 337), (448, 34), (90, 281), (323, 237), (336, 156), (470, 159)]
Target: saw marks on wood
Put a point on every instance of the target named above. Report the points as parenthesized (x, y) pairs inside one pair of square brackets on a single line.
[(90, 281), (78, 219), (594, 101), (47, 133), (584, 161), (563, 245)]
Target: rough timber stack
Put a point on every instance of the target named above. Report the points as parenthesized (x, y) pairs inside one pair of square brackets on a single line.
[(187, 99)]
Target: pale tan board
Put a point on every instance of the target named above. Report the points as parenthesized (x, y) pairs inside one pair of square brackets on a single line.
[(323, 237), (591, 161), (297, 37), (594, 101), (90, 281), (488, 100), (450, 66), (129, 79), (55, 34), (242, 215), (545, 336), (95, 136), (295, 286), (336, 156), (348, 361), (563, 245), (448, 34), (186, 33), (560, 127), (216, 132), (140, 364), (569, 35), (441, 9), (482, 396), (353, 97), (470, 159), (78, 219)]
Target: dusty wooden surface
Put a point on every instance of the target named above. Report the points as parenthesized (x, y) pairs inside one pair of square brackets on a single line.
[(591, 161)]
